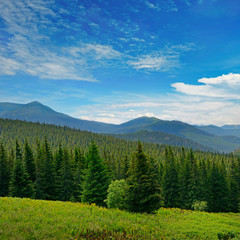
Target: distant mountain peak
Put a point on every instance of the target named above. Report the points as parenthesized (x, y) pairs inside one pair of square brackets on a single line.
[(34, 103)]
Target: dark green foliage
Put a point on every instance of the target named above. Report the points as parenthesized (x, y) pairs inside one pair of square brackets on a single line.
[(78, 171), (29, 162), (219, 191), (4, 172), (46, 176), (144, 192), (170, 183), (20, 185), (187, 178), (95, 180), (49, 172), (66, 178), (234, 187)]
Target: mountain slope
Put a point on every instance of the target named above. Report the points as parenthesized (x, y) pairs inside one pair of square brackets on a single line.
[(36, 112), (184, 130), (227, 130), (162, 138)]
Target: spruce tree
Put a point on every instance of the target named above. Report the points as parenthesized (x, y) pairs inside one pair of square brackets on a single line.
[(80, 165), (49, 173), (66, 177), (40, 173), (234, 187), (4, 172), (219, 191), (95, 180), (29, 162), (170, 180), (46, 177), (144, 192), (20, 185)]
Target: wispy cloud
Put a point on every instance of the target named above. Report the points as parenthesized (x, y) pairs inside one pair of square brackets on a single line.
[(167, 5), (96, 51), (164, 60), (29, 48), (155, 62)]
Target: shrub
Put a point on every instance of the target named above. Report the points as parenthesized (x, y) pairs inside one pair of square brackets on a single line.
[(200, 206), (117, 194)]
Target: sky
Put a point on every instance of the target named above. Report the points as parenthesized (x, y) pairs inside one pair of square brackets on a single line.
[(113, 61)]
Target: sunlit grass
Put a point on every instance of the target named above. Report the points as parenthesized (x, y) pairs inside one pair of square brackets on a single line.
[(36, 219)]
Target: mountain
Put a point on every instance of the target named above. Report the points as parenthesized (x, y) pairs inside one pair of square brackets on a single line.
[(37, 112), (226, 130), (210, 136), (231, 127), (162, 138), (181, 129)]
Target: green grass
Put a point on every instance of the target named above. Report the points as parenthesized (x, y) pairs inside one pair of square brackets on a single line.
[(36, 219)]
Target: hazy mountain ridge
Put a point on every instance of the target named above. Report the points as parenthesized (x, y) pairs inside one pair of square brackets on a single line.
[(226, 130), (211, 137), (162, 138)]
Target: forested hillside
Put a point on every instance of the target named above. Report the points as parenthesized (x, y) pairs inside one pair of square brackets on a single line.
[(57, 163), (175, 131), (163, 138)]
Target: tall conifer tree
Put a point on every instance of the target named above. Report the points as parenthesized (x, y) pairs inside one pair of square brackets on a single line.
[(170, 180), (29, 162), (4, 172), (20, 185), (95, 180), (66, 183), (144, 192)]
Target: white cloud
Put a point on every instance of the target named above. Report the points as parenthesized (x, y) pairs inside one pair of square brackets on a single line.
[(232, 79), (225, 86), (215, 103)]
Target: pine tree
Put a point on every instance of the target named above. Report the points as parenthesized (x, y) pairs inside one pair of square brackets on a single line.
[(46, 177), (66, 177), (40, 174), (219, 191), (4, 172), (95, 180), (193, 181), (59, 159), (234, 187), (29, 162), (170, 180), (144, 192), (20, 185), (49, 173), (80, 165)]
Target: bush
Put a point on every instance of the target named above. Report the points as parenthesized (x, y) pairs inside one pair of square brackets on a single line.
[(116, 197), (200, 206)]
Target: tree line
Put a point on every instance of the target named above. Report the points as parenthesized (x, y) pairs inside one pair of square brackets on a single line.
[(138, 182)]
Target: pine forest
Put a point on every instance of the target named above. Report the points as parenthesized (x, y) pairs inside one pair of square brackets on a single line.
[(58, 163)]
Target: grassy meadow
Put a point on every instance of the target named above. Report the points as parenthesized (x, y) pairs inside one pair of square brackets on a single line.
[(37, 219)]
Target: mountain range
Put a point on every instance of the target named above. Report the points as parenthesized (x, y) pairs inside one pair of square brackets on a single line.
[(206, 138)]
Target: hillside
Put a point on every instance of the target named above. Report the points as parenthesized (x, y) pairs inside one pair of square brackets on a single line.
[(210, 137), (230, 130), (162, 138), (37, 112), (35, 219)]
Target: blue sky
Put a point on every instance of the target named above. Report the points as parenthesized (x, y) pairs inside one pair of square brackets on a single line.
[(113, 61)]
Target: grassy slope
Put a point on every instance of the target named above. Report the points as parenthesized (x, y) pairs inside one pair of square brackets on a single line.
[(35, 219)]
